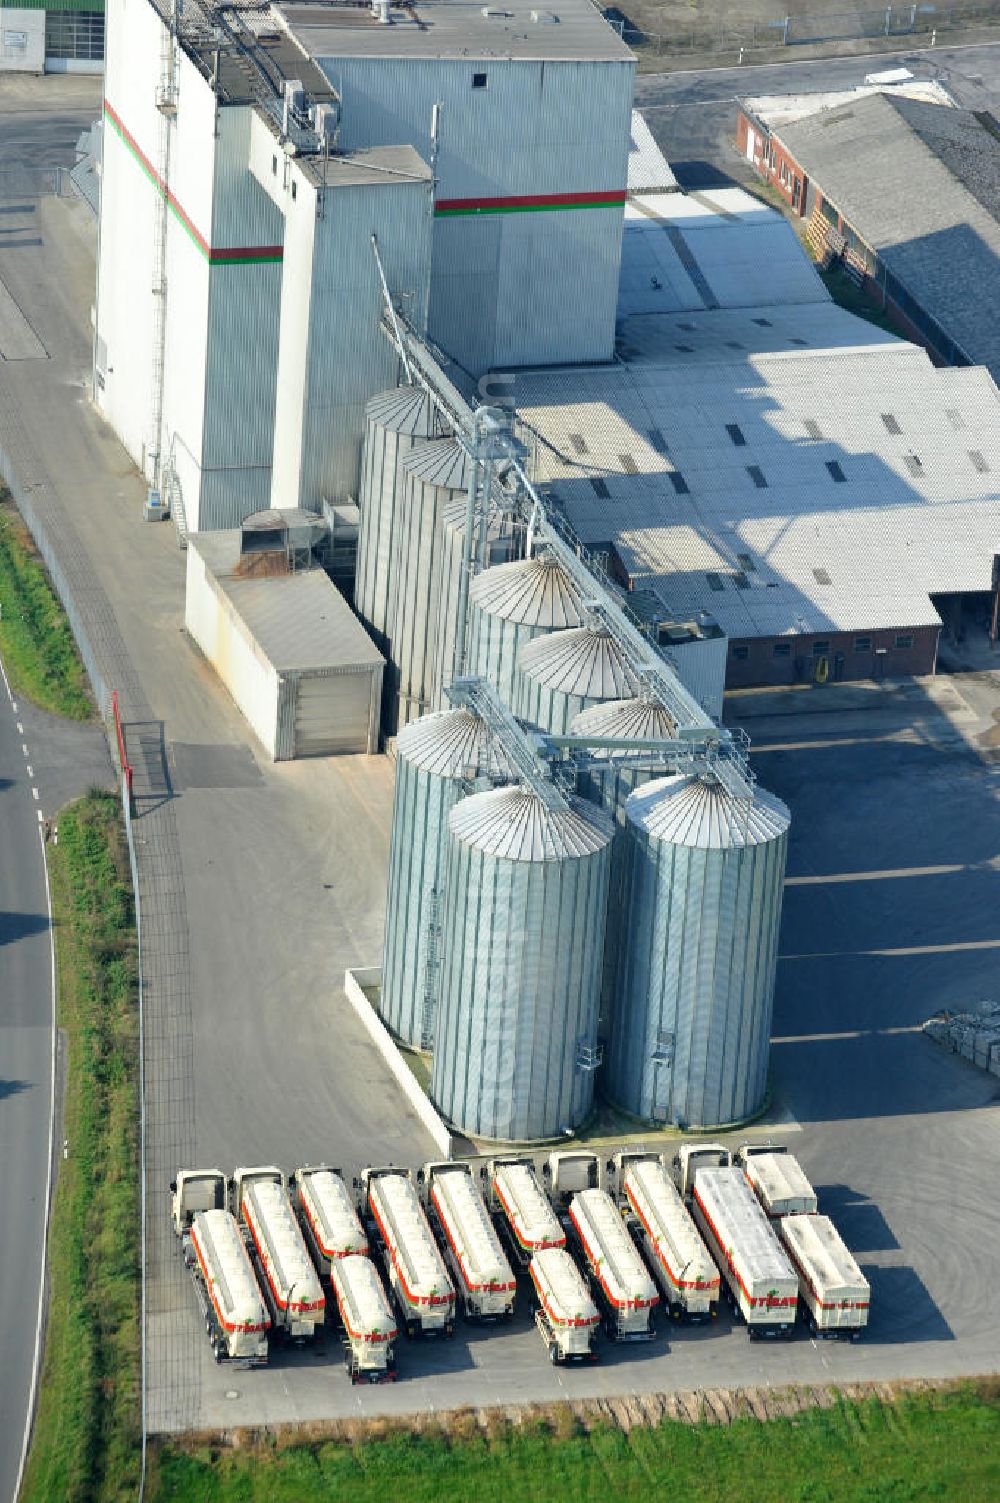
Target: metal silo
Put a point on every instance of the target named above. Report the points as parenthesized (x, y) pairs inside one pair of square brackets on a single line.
[(453, 518), (697, 951), (435, 480), (512, 603), (522, 941), (394, 422), (561, 674), (436, 757)]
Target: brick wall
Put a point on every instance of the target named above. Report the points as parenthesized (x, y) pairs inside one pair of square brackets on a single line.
[(898, 653), (771, 161)]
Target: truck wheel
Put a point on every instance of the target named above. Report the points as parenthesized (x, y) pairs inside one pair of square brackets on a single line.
[(553, 1353)]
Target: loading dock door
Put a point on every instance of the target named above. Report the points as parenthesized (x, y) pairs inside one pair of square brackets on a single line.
[(332, 714)]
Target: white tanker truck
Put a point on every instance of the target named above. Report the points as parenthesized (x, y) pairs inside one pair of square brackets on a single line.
[(229, 1297), (366, 1319), (567, 1317), (762, 1284), (483, 1278), (624, 1286), (329, 1221), (522, 1208), (681, 1263), (424, 1294), (290, 1282)]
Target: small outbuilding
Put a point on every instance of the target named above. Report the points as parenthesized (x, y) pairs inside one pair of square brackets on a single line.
[(282, 638)]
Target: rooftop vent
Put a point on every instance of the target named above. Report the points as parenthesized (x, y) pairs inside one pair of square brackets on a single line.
[(545, 18), (579, 442), (913, 464), (812, 428), (628, 464), (979, 461), (891, 423), (822, 577), (658, 442)]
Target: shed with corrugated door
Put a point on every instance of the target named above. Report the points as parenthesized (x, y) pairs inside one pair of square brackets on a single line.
[(288, 648)]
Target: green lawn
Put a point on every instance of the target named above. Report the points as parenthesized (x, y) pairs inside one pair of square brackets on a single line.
[(36, 643), (940, 1445), (85, 1446)]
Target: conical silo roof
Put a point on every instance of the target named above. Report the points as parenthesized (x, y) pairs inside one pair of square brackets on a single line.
[(625, 719), (451, 744), (699, 812), (587, 662), (441, 462), (534, 592), (404, 409), (514, 825)]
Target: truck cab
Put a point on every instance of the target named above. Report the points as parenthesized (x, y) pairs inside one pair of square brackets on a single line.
[(244, 1177), (567, 1171), (426, 1175), (754, 1150), (691, 1157), (618, 1163), (196, 1190)]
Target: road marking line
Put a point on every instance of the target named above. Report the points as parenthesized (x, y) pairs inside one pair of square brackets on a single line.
[(41, 816), (13, 705), (20, 729), (6, 685), (29, 772), (37, 1360), (24, 748), (34, 793)]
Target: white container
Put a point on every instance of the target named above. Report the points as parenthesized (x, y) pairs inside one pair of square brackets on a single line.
[(629, 1293), (525, 1208), (568, 1318), (296, 1297), (762, 1282), (366, 1316), (331, 1223), (230, 1285), (424, 1293), (679, 1259), (832, 1286), (780, 1184), (484, 1278)]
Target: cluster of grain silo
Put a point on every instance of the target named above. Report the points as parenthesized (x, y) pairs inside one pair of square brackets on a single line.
[(563, 673), (511, 604)]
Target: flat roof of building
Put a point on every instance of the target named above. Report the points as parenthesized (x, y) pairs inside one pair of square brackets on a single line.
[(718, 248), (775, 110), (301, 622), (795, 470), (563, 31), (648, 169), (920, 184)]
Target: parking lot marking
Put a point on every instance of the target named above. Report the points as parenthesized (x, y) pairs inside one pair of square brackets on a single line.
[(877, 876)]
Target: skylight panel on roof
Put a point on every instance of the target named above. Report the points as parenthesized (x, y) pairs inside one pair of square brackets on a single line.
[(979, 461), (628, 464), (812, 428), (579, 442), (891, 423), (757, 476), (822, 577), (914, 466), (836, 473), (600, 488), (736, 434)]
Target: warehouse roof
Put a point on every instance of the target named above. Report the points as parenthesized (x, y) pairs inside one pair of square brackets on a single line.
[(920, 183), (648, 169), (300, 621), (565, 30), (720, 248), (797, 470), (776, 110)]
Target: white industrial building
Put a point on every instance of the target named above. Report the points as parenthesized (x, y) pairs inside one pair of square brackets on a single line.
[(251, 154)]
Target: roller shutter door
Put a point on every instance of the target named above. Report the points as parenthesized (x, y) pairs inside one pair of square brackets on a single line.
[(332, 714)]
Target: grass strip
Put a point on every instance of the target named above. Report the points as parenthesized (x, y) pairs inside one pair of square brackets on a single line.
[(940, 1444), (36, 642), (85, 1444)]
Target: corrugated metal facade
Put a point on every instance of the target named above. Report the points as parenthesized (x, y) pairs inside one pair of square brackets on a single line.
[(435, 478), (508, 287), (395, 421), (522, 940), (697, 952), (436, 758)]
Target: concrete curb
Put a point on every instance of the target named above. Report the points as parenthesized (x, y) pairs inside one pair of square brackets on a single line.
[(354, 983)]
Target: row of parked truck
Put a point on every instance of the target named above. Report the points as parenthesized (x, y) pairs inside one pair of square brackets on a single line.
[(267, 1253)]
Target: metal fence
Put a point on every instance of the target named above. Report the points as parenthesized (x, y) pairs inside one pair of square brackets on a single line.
[(734, 34)]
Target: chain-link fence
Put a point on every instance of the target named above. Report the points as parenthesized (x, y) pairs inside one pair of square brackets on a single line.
[(736, 34)]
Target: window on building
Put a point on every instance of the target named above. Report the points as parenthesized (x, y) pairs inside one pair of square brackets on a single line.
[(828, 212), (782, 650), (479, 80), (740, 651), (821, 649), (75, 34), (295, 189), (274, 166), (903, 642), (862, 644)]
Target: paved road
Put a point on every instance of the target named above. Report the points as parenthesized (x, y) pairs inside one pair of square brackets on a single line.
[(693, 114), (26, 1053)]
